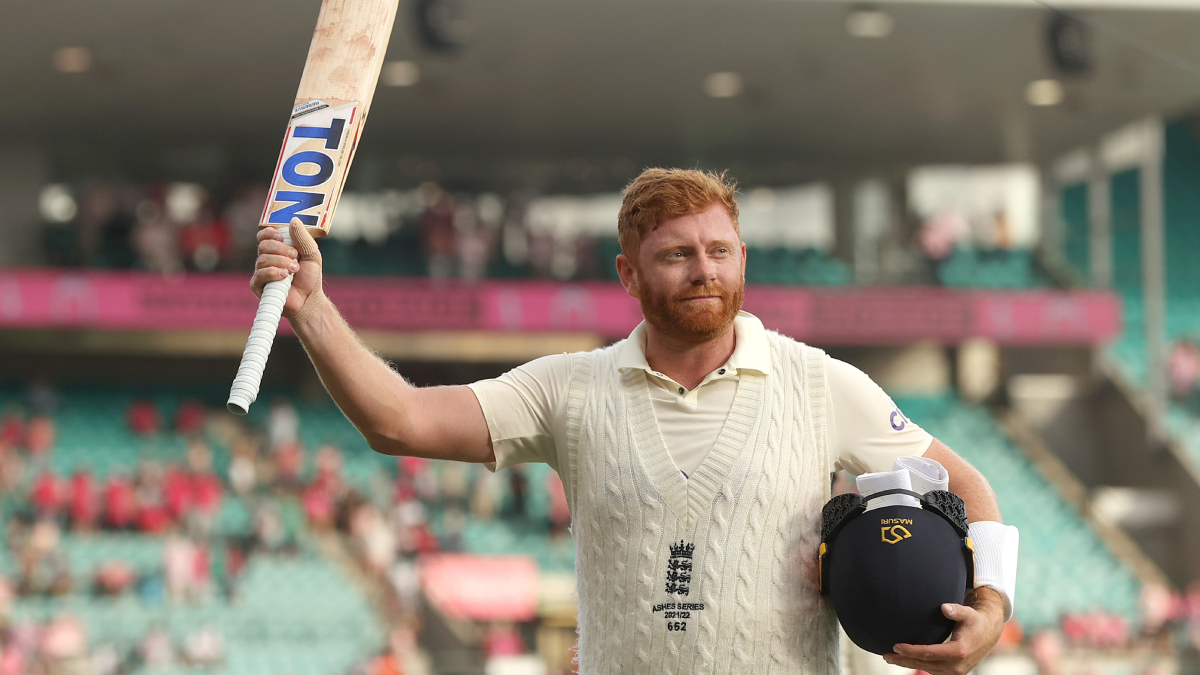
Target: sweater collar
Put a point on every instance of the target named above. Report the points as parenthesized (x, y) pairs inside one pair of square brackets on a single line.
[(751, 350)]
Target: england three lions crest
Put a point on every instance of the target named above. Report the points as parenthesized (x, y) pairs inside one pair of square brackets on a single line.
[(679, 568)]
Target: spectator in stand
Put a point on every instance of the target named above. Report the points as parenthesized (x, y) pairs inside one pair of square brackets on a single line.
[(404, 489), (156, 650), (12, 429), (328, 475), (43, 398), (283, 424), (243, 475), (155, 240), (1158, 608), (43, 568), (1097, 630), (402, 656), (289, 462), (120, 502), (320, 507), (426, 483), (416, 474), (64, 646), (204, 647), (403, 642), (1010, 638), (6, 603), (518, 486), (205, 489), (453, 481), (40, 436), (190, 417), (375, 542), (47, 494), (114, 577), (13, 661), (107, 660), (202, 570), (242, 214), (438, 236), (483, 500), (940, 235), (82, 506), (503, 639), (386, 663), (233, 563), (474, 237), (15, 658), (177, 493), (1183, 369), (143, 418), (12, 468), (1047, 648), (205, 242), (1191, 612), (454, 523), (412, 529), (152, 514), (560, 513), (179, 568), (269, 529)]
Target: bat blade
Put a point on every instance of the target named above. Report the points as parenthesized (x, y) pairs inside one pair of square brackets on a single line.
[(331, 107)]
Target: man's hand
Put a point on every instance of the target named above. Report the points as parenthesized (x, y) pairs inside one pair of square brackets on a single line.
[(276, 260), (978, 629)]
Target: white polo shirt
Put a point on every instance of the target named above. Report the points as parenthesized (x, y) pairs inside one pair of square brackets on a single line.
[(525, 408)]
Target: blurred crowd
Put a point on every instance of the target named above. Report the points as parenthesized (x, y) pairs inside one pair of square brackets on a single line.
[(291, 495), (175, 227), (61, 645), (1170, 624), (1183, 372), (288, 495)]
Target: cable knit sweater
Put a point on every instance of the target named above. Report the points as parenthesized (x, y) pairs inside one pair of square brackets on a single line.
[(713, 573)]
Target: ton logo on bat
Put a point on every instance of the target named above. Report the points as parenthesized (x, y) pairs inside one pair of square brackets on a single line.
[(312, 164)]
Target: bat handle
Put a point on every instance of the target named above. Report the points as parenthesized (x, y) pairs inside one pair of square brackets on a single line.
[(258, 346)]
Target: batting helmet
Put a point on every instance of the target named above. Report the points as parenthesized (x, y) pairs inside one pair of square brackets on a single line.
[(890, 570)]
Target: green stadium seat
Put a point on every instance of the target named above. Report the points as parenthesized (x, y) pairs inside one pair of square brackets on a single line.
[(1063, 562)]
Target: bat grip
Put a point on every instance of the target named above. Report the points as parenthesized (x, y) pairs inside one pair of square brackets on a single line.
[(258, 346)]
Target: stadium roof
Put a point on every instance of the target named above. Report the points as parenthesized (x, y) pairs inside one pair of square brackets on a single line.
[(619, 79)]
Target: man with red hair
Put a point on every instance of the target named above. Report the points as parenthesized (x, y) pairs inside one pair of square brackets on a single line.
[(695, 455)]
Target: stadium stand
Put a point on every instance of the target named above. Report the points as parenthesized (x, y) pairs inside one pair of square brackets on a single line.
[(1181, 213), (396, 234), (263, 609), (1063, 562), (1057, 545)]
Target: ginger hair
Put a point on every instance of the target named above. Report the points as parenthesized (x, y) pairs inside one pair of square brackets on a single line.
[(661, 194)]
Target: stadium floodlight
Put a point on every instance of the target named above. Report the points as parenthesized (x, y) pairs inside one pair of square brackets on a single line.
[(723, 84), (72, 59), (869, 22), (56, 204), (1043, 93), (400, 73)]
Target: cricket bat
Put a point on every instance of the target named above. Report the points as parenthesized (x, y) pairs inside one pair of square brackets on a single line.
[(331, 107)]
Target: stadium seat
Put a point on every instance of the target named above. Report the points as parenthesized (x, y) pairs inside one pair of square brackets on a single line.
[(1062, 561)]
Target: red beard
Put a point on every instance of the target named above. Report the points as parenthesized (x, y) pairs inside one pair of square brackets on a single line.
[(673, 317)]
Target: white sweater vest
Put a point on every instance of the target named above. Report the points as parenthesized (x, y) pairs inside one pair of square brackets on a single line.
[(709, 574)]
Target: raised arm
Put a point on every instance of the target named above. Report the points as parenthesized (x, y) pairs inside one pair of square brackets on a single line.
[(395, 417)]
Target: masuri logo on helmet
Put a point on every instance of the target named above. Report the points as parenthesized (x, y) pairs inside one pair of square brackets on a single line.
[(894, 534)]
